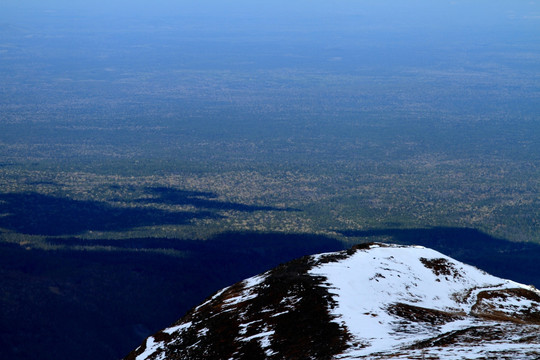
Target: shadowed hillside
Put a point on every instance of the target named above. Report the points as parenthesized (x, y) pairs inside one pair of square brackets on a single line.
[(99, 304)]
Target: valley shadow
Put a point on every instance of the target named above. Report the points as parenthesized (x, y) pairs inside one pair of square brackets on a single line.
[(101, 304), (37, 214), (200, 199), (499, 257), (258, 247)]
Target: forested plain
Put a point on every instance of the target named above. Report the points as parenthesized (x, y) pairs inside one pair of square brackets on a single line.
[(156, 159)]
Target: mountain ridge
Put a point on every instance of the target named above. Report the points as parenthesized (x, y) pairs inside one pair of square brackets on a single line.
[(371, 301)]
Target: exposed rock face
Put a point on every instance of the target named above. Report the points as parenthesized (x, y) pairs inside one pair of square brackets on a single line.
[(372, 301)]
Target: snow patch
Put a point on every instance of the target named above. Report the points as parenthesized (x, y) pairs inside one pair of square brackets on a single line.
[(249, 292), (215, 296), (367, 283), (151, 347), (177, 328)]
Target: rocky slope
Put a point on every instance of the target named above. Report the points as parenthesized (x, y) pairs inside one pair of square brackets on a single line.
[(373, 301)]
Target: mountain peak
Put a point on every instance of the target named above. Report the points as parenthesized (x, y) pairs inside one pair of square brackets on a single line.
[(373, 300)]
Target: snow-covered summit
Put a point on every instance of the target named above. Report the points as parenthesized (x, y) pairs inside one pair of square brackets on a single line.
[(372, 301)]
